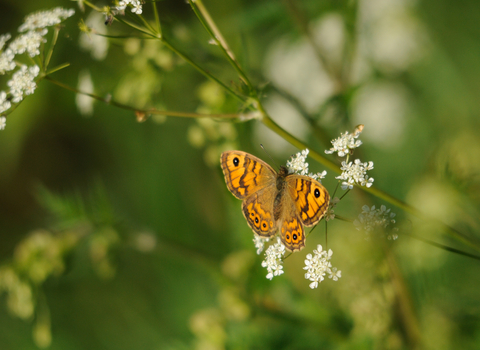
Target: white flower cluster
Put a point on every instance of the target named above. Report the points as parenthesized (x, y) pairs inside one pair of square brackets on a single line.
[(4, 103), (136, 6), (371, 219), (346, 143), (23, 80), (318, 265), (298, 165), (28, 42), (355, 173), (259, 242), (44, 19), (273, 259)]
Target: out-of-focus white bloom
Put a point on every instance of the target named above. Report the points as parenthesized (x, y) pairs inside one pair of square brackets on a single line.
[(371, 219), (96, 44), (3, 123), (3, 39), (29, 42), (6, 61), (84, 102), (273, 259), (44, 19), (22, 82), (4, 104), (318, 265), (355, 173)]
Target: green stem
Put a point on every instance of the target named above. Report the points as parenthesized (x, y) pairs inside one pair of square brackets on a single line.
[(209, 24), (203, 71), (268, 122), (146, 111), (52, 46), (157, 19)]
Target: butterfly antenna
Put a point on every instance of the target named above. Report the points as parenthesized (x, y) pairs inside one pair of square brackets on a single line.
[(269, 156)]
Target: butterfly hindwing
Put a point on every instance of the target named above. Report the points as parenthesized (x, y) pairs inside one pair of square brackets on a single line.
[(258, 210)]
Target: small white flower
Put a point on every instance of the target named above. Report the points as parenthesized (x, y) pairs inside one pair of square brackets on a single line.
[(4, 104), (273, 259), (371, 219), (3, 122), (44, 19), (346, 143), (136, 6), (3, 39), (22, 82), (29, 42), (84, 102), (335, 274), (355, 173), (259, 242), (6, 61), (318, 265), (298, 165)]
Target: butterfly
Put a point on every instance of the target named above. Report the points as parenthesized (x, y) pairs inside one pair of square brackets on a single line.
[(274, 201)]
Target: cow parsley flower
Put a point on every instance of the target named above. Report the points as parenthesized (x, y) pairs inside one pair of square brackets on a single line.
[(318, 265), (298, 165), (355, 174), (29, 42), (259, 242), (44, 19), (371, 219), (22, 82), (346, 143), (3, 39), (273, 259), (4, 103), (136, 6), (6, 61)]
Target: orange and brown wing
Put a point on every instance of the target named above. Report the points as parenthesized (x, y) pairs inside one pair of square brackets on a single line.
[(246, 174), (292, 232), (310, 197), (259, 212)]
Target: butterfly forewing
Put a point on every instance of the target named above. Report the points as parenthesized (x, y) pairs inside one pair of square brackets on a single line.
[(310, 197), (245, 174)]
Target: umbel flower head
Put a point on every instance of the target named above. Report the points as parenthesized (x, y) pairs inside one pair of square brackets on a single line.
[(298, 165), (273, 259), (371, 219), (318, 265), (355, 174), (23, 82), (346, 143)]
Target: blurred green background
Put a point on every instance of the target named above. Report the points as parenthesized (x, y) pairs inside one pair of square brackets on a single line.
[(146, 248)]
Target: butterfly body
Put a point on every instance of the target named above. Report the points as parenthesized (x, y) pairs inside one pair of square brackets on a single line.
[(274, 201)]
